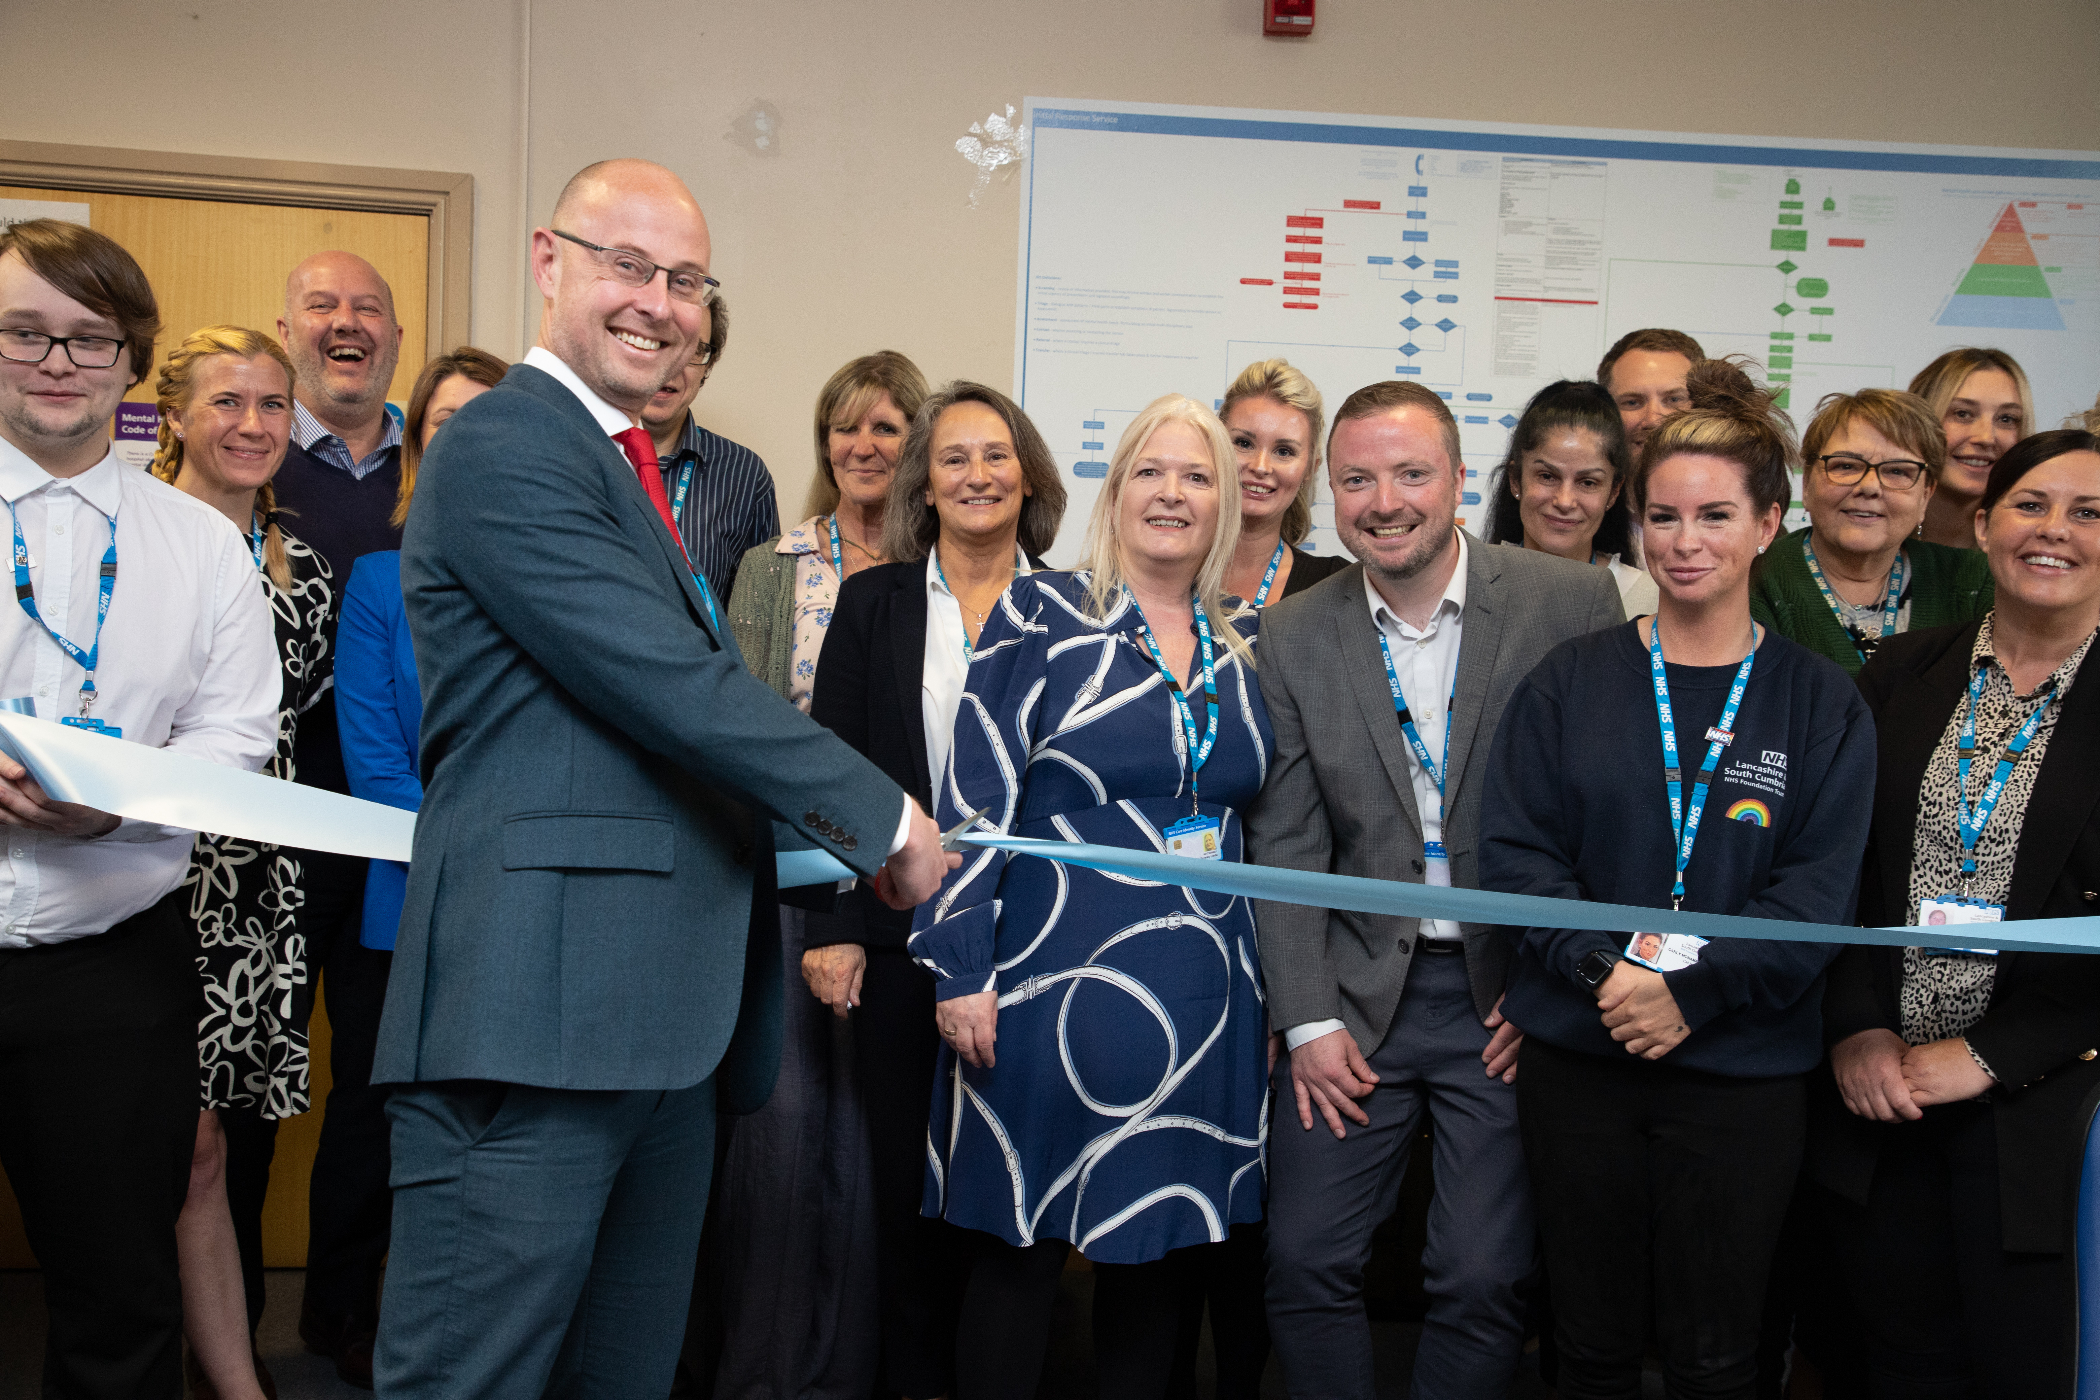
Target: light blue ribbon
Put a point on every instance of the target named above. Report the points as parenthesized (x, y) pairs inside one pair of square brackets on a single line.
[(1364, 896)]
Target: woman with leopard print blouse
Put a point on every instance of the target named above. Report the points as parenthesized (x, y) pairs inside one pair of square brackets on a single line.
[(1963, 1073)]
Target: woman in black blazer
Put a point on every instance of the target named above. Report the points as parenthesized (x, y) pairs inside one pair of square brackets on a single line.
[(1962, 1074), (975, 502)]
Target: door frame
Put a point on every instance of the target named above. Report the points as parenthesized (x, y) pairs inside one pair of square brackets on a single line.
[(445, 197)]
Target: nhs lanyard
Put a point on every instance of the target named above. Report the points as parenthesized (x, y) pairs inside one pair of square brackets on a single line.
[(255, 538), (1199, 753), (838, 555), (1435, 850), (1892, 606), (26, 596), (1975, 819), (707, 594), (1684, 821), (1268, 580)]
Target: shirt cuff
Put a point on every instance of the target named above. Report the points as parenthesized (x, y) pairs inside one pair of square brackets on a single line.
[(1980, 1062), (903, 826), (1311, 1030)]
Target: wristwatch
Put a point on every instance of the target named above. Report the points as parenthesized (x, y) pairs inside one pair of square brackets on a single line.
[(1592, 970)]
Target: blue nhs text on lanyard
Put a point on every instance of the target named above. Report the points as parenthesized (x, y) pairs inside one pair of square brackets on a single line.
[(1975, 819), (707, 594), (1199, 753), (1434, 850), (25, 594), (1684, 821), (1268, 580)]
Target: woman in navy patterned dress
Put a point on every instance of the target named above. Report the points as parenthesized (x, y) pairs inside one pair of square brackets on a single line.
[(1102, 1080)]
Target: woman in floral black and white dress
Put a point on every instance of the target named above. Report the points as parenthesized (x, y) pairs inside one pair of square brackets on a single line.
[(225, 398)]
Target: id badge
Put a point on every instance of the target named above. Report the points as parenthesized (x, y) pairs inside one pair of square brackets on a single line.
[(1664, 952), (92, 726), (1200, 838), (1954, 911), (1436, 864)]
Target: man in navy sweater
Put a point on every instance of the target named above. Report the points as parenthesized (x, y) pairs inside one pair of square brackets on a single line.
[(340, 477)]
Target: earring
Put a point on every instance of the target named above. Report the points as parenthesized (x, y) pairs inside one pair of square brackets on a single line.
[(1760, 549)]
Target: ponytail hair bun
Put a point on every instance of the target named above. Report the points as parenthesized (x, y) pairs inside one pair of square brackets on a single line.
[(1733, 417)]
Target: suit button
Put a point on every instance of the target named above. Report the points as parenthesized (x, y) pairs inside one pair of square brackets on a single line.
[(812, 819), (1418, 867), (2091, 896), (851, 843), (2089, 1054)]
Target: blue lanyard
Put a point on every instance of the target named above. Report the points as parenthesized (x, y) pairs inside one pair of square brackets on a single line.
[(1889, 608), (942, 574), (1407, 723), (1199, 754), (838, 557), (255, 538), (26, 596), (707, 595), (1975, 819), (1268, 580), (1684, 823)]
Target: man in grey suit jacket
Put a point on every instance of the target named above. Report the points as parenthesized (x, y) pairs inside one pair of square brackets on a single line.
[(1385, 684), (577, 946)]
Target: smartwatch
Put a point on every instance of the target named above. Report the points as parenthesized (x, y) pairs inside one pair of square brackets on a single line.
[(1594, 969)]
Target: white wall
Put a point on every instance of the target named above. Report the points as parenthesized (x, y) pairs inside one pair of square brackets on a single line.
[(857, 235)]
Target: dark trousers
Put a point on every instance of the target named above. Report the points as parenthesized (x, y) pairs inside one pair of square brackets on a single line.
[(349, 1207), (543, 1239), (98, 1122), (919, 1260), (1226, 1278), (1949, 1313), (1660, 1194), (1006, 1311), (1327, 1196), (251, 1145)]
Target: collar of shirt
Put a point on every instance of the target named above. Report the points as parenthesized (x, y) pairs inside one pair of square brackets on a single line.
[(689, 445), (1451, 605), (100, 486), (1985, 650), (609, 418), (316, 437), (937, 587), (803, 539)]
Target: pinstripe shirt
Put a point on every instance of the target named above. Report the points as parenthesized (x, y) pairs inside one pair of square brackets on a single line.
[(730, 508)]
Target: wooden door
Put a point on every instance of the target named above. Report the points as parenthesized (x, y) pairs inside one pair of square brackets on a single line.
[(223, 263)]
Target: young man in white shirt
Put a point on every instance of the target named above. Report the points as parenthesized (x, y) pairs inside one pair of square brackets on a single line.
[(99, 996)]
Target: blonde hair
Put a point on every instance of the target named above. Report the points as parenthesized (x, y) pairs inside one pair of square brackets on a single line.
[(1286, 383), (1940, 381), (1102, 553), (845, 397), (172, 394)]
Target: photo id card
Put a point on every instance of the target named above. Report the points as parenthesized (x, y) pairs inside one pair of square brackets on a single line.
[(1200, 838), (1664, 952), (1954, 911)]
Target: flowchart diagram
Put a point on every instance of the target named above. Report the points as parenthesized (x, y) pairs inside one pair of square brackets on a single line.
[(1164, 248)]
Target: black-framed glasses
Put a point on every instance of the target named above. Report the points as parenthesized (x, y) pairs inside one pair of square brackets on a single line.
[(634, 270), (703, 355), (26, 347), (1896, 474)]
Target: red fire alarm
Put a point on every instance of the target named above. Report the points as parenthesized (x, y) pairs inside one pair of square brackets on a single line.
[(1286, 16)]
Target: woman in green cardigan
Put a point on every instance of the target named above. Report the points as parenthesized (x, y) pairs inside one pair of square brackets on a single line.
[(1858, 573)]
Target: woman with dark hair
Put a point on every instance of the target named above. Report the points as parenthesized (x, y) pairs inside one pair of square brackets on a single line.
[(1274, 415), (1969, 1074), (1662, 1098), (975, 503), (1856, 574), (1558, 488)]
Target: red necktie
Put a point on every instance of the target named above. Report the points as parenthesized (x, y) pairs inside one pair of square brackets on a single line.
[(635, 442)]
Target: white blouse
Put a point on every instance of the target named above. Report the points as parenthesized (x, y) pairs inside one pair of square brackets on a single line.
[(946, 669)]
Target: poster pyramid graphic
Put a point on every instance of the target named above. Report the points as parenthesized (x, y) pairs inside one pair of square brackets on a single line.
[(2004, 288)]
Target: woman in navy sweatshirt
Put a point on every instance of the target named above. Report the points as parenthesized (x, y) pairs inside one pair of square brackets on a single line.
[(1662, 1097)]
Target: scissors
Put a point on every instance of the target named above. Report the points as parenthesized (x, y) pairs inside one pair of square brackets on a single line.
[(951, 839)]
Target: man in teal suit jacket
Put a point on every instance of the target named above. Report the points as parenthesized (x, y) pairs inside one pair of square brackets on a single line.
[(575, 975)]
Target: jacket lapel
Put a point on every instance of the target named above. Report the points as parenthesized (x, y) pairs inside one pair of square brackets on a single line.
[(2063, 798), (1912, 725), (1357, 638), (1480, 640), (907, 642)]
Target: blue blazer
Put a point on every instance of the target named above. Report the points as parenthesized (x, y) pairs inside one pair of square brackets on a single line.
[(378, 709), (598, 770)]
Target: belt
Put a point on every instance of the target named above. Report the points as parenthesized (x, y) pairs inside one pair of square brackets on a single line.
[(1438, 947)]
